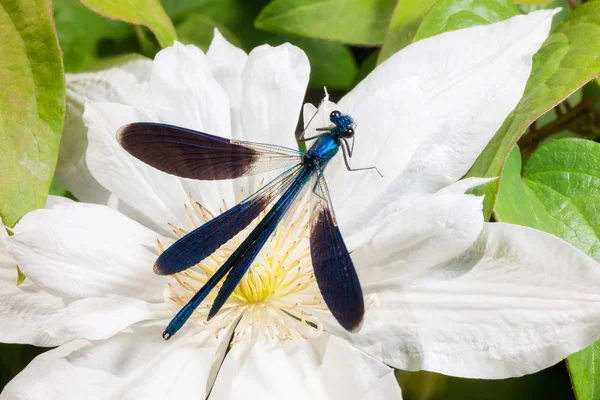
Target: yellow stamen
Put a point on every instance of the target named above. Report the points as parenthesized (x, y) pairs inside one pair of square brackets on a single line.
[(274, 296)]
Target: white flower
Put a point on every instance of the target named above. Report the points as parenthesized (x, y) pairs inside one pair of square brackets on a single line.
[(447, 292)]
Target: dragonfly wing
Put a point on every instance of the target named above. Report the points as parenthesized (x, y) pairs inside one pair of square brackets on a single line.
[(332, 265), (196, 155), (203, 241)]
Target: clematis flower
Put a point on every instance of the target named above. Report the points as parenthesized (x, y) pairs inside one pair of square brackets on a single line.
[(445, 291)]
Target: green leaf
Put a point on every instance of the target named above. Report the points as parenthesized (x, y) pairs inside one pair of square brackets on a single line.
[(583, 369), (199, 29), (14, 358), (406, 19), (332, 64), (140, 12), (567, 60), (358, 22), (20, 276), (517, 202), (83, 33), (237, 15), (559, 192), (419, 19), (449, 15), (529, 6), (367, 66), (533, 2), (148, 44), (32, 105)]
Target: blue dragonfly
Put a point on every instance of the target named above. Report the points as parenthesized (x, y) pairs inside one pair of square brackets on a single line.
[(192, 154)]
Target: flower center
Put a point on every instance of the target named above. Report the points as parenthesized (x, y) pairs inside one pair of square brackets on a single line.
[(277, 294)]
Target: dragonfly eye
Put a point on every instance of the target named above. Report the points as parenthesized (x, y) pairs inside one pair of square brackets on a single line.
[(349, 132), (334, 115)]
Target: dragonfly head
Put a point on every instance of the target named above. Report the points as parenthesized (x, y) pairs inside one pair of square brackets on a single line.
[(343, 124)]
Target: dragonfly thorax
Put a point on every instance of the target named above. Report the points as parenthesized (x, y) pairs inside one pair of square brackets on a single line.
[(322, 151), (329, 144)]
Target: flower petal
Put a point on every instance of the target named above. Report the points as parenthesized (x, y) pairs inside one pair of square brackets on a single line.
[(159, 196), (274, 83), (318, 368), (113, 84), (470, 79), (430, 231), (227, 64), (135, 364), (518, 301), (317, 117), (32, 316), (82, 250), (185, 93), (388, 145)]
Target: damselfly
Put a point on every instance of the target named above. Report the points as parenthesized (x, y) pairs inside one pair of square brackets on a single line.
[(191, 154)]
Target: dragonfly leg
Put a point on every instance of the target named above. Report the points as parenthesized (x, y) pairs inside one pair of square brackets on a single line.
[(350, 149), (316, 187), (349, 168), (306, 139), (301, 138)]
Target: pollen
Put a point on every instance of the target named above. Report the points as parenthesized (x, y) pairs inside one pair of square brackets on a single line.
[(276, 298)]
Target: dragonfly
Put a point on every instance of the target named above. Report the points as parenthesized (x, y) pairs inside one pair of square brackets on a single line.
[(197, 155)]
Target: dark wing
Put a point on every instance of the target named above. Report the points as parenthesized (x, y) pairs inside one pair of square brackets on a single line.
[(204, 240), (331, 261), (238, 263), (196, 155), (241, 259)]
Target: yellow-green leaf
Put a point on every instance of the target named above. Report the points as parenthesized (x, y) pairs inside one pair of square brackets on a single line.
[(533, 2), (567, 60), (32, 105), (361, 22), (449, 15), (149, 13), (20, 276), (199, 29), (81, 31), (406, 19)]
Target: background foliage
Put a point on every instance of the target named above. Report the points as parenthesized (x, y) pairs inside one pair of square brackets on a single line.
[(546, 152)]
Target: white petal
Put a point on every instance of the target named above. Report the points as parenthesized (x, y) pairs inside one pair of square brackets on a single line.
[(466, 184), (274, 83), (114, 84), (317, 117), (185, 93), (519, 301), (227, 64), (135, 364), (32, 316), (388, 144), (23, 309), (470, 79), (430, 231), (318, 368), (56, 201), (159, 196), (83, 250)]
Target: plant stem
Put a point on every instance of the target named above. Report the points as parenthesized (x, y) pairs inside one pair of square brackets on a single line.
[(568, 119)]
